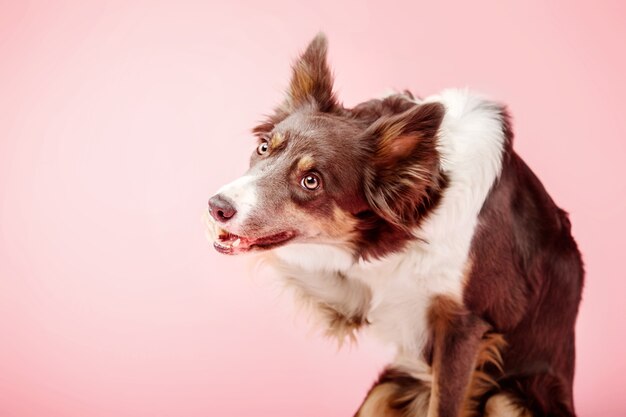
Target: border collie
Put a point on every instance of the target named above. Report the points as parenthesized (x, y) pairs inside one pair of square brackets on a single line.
[(415, 219)]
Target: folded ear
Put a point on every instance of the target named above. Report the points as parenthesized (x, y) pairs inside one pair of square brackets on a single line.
[(312, 81), (404, 174)]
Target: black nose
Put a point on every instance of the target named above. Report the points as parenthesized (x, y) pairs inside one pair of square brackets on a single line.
[(221, 209)]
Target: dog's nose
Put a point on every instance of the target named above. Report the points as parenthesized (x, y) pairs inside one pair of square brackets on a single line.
[(221, 209)]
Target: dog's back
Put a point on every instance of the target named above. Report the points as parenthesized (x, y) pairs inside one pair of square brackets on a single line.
[(527, 282)]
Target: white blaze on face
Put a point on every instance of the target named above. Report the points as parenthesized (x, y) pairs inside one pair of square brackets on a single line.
[(243, 194)]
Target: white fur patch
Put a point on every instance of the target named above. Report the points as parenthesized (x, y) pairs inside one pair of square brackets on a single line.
[(471, 141), (316, 257), (242, 193)]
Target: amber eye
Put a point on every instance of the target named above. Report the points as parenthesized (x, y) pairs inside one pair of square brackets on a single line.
[(310, 182), (263, 148)]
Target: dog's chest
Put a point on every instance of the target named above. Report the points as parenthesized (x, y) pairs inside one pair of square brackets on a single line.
[(400, 290)]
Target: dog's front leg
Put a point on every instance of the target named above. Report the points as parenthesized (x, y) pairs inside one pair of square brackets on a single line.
[(457, 340), (458, 346)]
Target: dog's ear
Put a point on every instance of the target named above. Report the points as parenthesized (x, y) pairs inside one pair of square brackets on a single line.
[(312, 80), (404, 169)]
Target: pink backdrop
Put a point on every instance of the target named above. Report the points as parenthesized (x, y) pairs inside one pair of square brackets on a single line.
[(118, 121)]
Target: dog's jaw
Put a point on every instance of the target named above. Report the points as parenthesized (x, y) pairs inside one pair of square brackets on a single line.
[(231, 244), (228, 243)]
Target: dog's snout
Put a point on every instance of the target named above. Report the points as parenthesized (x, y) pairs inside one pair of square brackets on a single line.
[(221, 208)]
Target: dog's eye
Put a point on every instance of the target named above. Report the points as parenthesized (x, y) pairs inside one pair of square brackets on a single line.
[(310, 182), (263, 148)]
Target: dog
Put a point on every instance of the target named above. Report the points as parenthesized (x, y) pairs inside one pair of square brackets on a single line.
[(416, 220)]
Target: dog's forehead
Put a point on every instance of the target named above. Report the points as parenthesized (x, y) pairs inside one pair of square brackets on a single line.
[(312, 125)]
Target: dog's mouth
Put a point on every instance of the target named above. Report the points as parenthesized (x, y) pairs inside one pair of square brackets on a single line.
[(232, 244)]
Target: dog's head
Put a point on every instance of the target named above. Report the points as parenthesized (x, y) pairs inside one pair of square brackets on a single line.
[(359, 178)]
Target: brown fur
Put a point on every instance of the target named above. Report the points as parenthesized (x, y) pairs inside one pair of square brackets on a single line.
[(306, 163), (457, 334), (528, 286), (396, 394), (312, 82), (483, 380), (276, 141), (378, 402), (406, 163)]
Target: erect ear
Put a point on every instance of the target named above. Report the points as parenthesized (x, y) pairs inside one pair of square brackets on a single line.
[(312, 81), (404, 173)]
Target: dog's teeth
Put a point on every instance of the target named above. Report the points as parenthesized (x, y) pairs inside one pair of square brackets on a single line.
[(224, 246), (236, 242)]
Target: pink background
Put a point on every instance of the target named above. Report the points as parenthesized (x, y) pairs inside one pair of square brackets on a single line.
[(118, 121)]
